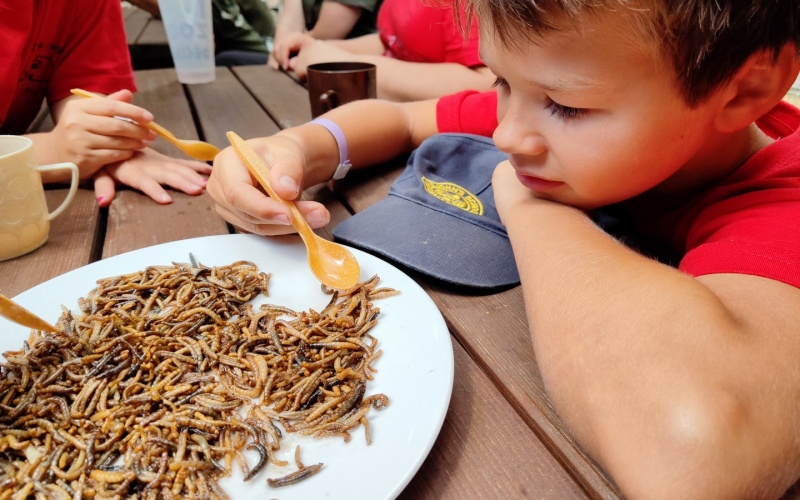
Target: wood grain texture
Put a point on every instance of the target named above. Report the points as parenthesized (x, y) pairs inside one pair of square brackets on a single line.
[(486, 451), (69, 245), (153, 33), (136, 20), (224, 105), (135, 221), (279, 95)]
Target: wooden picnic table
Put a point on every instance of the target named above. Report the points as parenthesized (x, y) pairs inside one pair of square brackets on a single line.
[(147, 39), (501, 437)]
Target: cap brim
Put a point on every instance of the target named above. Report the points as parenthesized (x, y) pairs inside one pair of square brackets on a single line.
[(432, 243)]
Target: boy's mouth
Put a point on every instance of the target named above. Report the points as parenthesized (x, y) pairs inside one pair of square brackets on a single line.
[(537, 184)]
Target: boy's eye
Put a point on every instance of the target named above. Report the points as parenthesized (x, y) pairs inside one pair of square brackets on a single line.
[(561, 111), (500, 83), (565, 112)]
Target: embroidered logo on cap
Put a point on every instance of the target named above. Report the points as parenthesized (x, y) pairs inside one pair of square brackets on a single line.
[(454, 195)]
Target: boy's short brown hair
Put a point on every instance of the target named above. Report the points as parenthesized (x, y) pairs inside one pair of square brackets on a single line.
[(706, 41)]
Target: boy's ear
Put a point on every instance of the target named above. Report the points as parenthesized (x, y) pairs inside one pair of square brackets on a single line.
[(757, 87)]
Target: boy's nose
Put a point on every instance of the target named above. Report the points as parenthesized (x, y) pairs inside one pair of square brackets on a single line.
[(516, 134)]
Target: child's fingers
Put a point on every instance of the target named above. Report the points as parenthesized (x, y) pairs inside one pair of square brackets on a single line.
[(198, 166), (104, 188), (314, 213), (108, 127), (181, 178), (154, 190), (123, 95), (112, 107)]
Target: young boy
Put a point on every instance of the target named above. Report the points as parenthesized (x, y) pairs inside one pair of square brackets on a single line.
[(681, 382)]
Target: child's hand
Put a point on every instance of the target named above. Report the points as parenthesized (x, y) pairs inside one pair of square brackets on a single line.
[(240, 200), (89, 135), (317, 51), (148, 170), (286, 47)]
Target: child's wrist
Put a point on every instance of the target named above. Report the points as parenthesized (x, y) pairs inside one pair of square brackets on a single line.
[(341, 141)]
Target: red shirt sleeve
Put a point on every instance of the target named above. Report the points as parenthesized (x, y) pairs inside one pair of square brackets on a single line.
[(420, 31), (468, 112), (750, 223), (52, 46), (96, 58)]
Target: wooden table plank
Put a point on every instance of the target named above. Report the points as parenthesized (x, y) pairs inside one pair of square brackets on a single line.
[(284, 100), (224, 105), (69, 245), (153, 33), (135, 221), (136, 20), (485, 447)]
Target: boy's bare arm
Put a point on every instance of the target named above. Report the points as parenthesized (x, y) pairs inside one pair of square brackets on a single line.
[(400, 80), (365, 45), (407, 81), (681, 387), (291, 19), (335, 21)]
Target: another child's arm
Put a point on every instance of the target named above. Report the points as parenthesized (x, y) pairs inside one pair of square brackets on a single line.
[(398, 80), (303, 156), (335, 21), (681, 387), (330, 50)]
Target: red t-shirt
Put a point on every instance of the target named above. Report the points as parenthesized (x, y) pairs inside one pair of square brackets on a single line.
[(748, 223), (52, 46), (422, 31)]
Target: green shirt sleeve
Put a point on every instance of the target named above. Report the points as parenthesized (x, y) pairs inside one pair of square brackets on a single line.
[(241, 25), (365, 25)]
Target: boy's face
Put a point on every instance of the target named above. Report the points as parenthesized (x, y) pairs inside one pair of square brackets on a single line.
[(590, 118)]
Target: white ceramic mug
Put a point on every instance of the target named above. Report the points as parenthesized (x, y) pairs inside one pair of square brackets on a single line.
[(24, 219)]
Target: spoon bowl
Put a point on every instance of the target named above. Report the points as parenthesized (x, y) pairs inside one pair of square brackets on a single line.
[(198, 150), (18, 314), (332, 264)]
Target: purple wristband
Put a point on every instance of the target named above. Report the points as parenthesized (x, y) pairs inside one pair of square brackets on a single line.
[(336, 131)]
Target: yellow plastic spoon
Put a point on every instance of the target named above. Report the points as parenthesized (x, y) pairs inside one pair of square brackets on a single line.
[(198, 150), (332, 264), (18, 314)]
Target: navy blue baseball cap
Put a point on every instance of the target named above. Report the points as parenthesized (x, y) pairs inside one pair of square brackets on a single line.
[(440, 218)]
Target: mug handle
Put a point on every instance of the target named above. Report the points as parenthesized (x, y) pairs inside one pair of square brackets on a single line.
[(73, 186), (328, 100)]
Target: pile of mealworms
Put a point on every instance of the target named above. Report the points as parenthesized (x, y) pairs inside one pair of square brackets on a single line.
[(167, 375)]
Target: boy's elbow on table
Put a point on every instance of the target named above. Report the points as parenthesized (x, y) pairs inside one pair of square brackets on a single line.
[(706, 448)]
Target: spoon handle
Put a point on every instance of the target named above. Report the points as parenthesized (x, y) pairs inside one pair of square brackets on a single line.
[(18, 314), (260, 171)]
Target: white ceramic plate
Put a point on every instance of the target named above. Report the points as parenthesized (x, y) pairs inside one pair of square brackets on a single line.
[(415, 371)]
